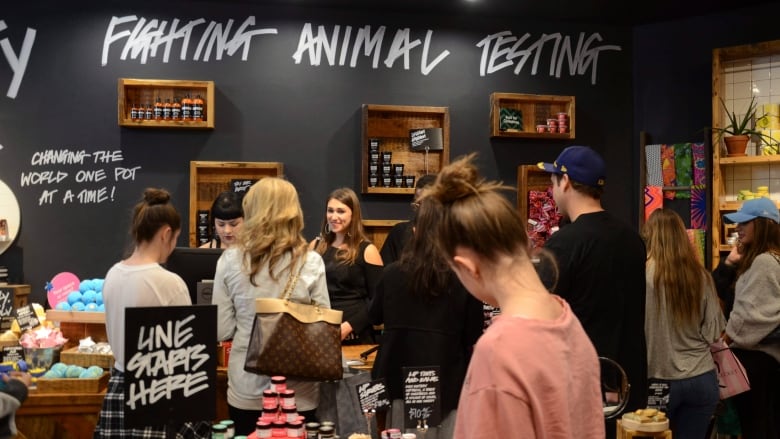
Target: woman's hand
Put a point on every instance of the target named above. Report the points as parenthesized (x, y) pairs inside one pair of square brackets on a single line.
[(346, 329), (735, 255)]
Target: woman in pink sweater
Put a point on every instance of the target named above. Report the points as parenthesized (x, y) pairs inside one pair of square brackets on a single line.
[(534, 373)]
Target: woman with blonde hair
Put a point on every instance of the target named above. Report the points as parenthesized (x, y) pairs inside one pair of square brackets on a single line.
[(270, 250), (352, 264), (682, 319), (534, 372)]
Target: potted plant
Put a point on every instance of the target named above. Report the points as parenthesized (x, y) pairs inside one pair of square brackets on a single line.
[(739, 129)]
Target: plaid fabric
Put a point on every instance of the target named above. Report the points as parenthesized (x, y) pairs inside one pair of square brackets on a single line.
[(111, 421)]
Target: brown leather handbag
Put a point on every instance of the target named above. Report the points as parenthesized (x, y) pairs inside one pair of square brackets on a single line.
[(295, 340)]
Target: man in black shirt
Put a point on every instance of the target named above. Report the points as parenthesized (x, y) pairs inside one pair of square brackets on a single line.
[(602, 267)]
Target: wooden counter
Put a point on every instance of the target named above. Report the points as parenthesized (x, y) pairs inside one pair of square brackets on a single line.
[(74, 416), (59, 415)]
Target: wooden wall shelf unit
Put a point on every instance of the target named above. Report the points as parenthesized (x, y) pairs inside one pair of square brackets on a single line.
[(724, 185), (536, 109), (390, 124), (146, 91), (377, 230), (530, 178), (208, 179)]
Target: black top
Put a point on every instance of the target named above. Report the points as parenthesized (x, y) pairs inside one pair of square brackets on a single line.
[(725, 276), (350, 288), (394, 244), (602, 276), (421, 330)]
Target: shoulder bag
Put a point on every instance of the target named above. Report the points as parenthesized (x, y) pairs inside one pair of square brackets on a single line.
[(295, 340)]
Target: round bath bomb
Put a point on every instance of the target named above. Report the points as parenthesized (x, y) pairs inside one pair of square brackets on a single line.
[(91, 307), (63, 306), (92, 372), (77, 306), (74, 296), (89, 296), (73, 371)]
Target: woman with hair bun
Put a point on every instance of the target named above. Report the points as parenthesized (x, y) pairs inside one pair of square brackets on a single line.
[(534, 372), (140, 281)]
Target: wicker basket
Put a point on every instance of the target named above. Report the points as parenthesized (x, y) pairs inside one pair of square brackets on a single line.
[(73, 385), (85, 359)]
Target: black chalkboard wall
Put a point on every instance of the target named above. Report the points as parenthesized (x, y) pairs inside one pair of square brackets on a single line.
[(280, 97)]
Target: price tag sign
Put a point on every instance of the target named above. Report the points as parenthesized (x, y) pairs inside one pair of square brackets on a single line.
[(27, 318), (422, 397), (373, 395), (240, 186)]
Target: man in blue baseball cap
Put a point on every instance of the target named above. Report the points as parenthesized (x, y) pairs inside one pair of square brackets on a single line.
[(602, 266)]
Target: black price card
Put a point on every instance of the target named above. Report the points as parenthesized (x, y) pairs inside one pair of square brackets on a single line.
[(373, 395), (27, 318), (170, 365), (13, 353), (425, 139), (240, 186), (422, 397)]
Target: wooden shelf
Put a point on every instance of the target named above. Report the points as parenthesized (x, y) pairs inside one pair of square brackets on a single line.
[(720, 58), (536, 109), (208, 179), (390, 124), (749, 160), (147, 91), (75, 316)]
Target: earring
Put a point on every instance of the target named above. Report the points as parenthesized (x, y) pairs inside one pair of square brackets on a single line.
[(327, 228)]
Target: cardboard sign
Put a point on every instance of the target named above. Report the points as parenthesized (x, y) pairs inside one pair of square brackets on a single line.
[(422, 397), (60, 286), (425, 139), (373, 395), (6, 302), (27, 318), (240, 186), (170, 365)]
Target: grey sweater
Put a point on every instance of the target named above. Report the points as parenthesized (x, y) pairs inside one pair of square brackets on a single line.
[(756, 306), (675, 353)]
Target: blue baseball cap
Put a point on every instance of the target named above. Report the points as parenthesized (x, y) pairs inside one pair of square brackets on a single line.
[(752, 209), (581, 164)]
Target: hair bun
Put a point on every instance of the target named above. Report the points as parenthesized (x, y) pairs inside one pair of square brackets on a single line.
[(458, 180), (154, 196)]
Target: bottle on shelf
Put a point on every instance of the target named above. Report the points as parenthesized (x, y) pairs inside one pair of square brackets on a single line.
[(197, 108), (158, 109), (133, 112), (167, 110), (175, 110), (186, 108), (149, 113)]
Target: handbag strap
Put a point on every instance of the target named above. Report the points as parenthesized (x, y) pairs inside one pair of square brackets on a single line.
[(292, 280)]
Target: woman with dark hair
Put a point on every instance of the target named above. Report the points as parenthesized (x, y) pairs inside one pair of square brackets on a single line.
[(534, 372), (429, 320), (682, 319), (140, 281), (352, 264), (753, 269), (227, 217)]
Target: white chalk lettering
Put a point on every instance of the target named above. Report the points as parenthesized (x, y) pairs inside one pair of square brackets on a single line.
[(366, 44), (146, 36), (141, 393), (92, 196), (503, 49), (44, 177), (58, 157), (90, 175), (173, 335), (18, 64)]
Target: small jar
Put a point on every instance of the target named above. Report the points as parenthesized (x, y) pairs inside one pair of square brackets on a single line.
[(278, 429), (563, 128), (288, 397), (552, 125), (373, 144), (278, 383), (269, 413), (312, 429), (263, 429), (270, 397), (295, 429), (387, 156), (326, 432), (394, 433), (290, 413), (218, 431), (541, 128), (231, 428)]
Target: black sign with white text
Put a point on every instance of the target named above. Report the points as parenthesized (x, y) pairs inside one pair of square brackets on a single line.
[(170, 365), (422, 397)]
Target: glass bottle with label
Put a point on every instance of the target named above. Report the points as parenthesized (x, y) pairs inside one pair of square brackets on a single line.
[(134, 112), (167, 110), (186, 108), (149, 113), (158, 109), (197, 108), (175, 110)]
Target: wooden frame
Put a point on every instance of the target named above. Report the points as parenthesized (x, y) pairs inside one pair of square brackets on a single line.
[(536, 109), (390, 124), (146, 91)]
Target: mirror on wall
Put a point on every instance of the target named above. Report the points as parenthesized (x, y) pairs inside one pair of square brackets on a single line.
[(9, 217)]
